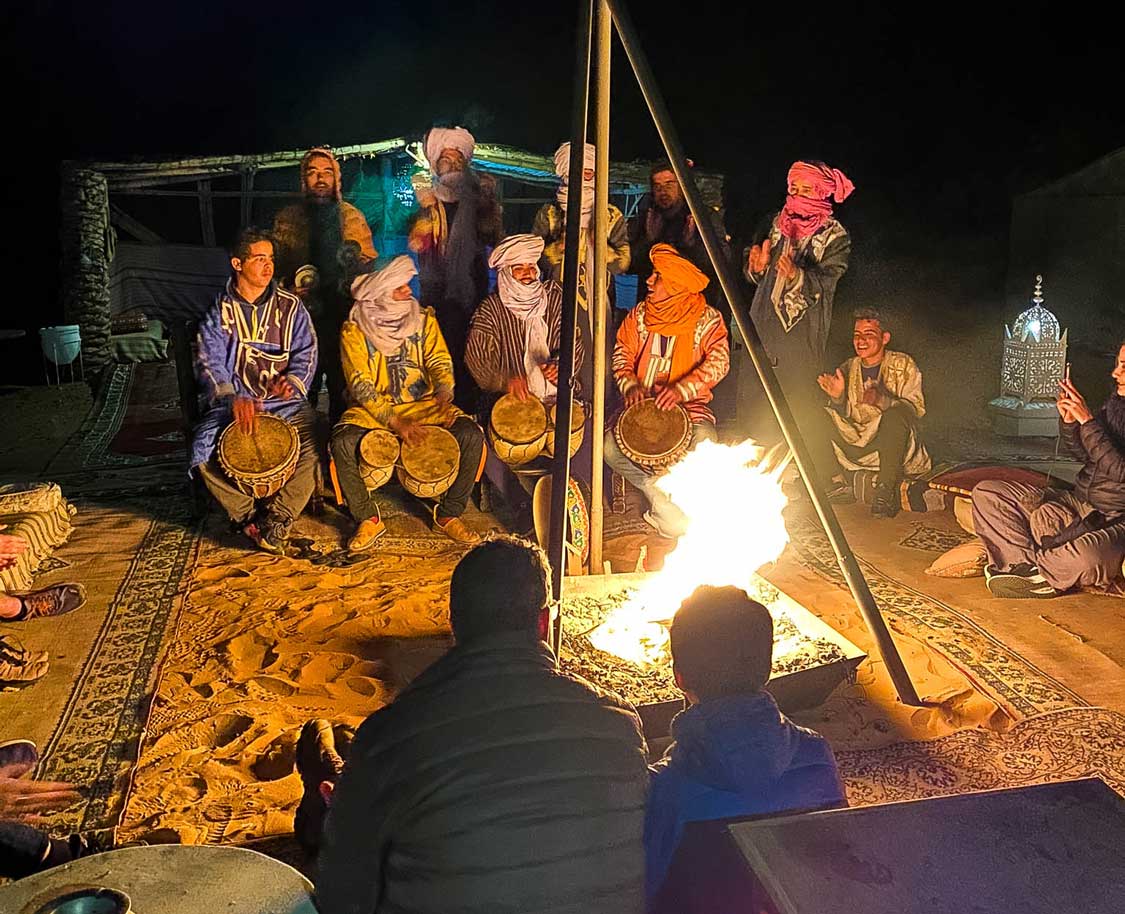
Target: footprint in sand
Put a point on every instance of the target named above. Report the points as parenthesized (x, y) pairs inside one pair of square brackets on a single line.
[(277, 760)]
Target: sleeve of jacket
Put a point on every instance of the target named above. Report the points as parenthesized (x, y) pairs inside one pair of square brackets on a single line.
[(1072, 440), (356, 229), (482, 350), (626, 351), (815, 287), (714, 365), (211, 366), (1101, 450), (617, 240), (362, 383), (302, 351), (435, 354), (911, 391), (639, 244)]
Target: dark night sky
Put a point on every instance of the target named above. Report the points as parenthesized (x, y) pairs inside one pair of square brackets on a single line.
[(937, 117)]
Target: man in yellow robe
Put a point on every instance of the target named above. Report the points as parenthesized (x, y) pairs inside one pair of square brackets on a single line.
[(400, 378)]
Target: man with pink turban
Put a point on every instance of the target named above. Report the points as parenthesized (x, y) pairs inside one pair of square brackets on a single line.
[(796, 268)]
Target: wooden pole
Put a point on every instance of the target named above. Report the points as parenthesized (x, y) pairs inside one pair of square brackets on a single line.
[(206, 214), (560, 470), (729, 282), (599, 303)]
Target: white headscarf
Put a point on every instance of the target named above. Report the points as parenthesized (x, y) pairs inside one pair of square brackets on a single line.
[(562, 169), (439, 138), (528, 302), (386, 322)]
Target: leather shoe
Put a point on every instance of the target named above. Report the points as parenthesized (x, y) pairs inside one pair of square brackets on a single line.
[(366, 533)]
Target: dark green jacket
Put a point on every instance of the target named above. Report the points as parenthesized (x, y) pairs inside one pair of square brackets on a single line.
[(491, 784)]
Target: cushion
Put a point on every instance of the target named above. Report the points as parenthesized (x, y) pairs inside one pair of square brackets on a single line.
[(964, 561)]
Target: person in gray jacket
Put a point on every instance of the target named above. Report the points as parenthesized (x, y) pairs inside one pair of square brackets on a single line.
[(493, 782)]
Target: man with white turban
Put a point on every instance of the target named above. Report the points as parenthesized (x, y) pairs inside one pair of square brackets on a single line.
[(516, 332), (550, 225), (458, 218), (400, 378)]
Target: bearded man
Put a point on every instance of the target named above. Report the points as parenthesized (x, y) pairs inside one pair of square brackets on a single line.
[(663, 218), (400, 377), (673, 347), (796, 269), (516, 332), (332, 237), (550, 225), (457, 220), (1043, 542)]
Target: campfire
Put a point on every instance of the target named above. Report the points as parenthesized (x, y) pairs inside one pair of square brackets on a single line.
[(615, 628)]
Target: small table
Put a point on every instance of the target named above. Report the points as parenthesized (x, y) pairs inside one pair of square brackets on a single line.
[(173, 879)]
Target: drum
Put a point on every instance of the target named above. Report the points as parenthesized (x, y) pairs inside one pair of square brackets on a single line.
[(651, 437), (577, 520), (378, 454), (261, 463), (577, 429), (517, 429), (428, 468)]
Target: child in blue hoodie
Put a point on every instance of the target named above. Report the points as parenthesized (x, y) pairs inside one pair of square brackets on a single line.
[(733, 752)]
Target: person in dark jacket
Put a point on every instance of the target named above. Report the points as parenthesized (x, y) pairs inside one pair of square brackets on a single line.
[(1042, 542), (733, 752), (493, 783)]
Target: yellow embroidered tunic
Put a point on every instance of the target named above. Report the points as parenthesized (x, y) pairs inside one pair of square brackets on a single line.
[(403, 385)]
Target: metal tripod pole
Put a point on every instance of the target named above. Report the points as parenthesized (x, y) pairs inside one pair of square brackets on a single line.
[(729, 282), (560, 469)]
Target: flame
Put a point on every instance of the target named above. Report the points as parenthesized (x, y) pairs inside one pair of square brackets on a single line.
[(733, 500)]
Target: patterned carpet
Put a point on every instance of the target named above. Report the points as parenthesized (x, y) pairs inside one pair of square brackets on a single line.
[(1006, 675)]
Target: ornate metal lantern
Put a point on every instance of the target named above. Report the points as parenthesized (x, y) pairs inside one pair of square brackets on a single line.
[(1034, 353)]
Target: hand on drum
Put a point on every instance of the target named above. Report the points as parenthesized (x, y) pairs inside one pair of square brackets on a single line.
[(518, 388), (635, 396), (668, 397), (246, 414), (281, 387), (408, 430)]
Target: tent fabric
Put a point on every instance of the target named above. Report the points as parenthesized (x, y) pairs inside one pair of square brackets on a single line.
[(168, 282)]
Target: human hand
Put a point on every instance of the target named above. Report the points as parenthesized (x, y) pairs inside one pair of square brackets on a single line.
[(246, 414), (786, 269), (635, 396), (653, 224), (413, 433), (668, 397), (875, 394), (689, 227), (759, 258), (518, 388), (444, 399), (281, 387), (1075, 403), (550, 372), (26, 800), (832, 384)]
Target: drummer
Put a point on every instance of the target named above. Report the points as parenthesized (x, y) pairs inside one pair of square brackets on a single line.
[(400, 377), (516, 332), (672, 347), (256, 353)]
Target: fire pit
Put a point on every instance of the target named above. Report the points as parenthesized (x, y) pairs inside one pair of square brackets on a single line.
[(810, 658)]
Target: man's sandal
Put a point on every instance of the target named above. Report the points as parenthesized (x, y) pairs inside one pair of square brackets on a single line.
[(50, 601), (16, 674)]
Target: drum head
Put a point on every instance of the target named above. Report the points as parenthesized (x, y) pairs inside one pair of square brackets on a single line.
[(651, 432), (577, 415), (519, 421), (378, 448), (435, 458), (271, 445)]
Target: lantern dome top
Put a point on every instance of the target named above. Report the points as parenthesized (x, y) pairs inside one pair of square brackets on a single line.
[(1036, 324)]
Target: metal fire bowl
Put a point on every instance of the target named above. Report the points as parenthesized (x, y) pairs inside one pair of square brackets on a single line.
[(794, 691)]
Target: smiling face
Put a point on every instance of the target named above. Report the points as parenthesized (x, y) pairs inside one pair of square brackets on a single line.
[(870, 341), (527, 273), (1118, 373), (657, 291)]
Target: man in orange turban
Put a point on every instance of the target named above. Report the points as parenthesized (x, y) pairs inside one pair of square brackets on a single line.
[(671, 347)]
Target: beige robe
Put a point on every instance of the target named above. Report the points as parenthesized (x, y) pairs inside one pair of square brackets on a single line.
[(860, 422)]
